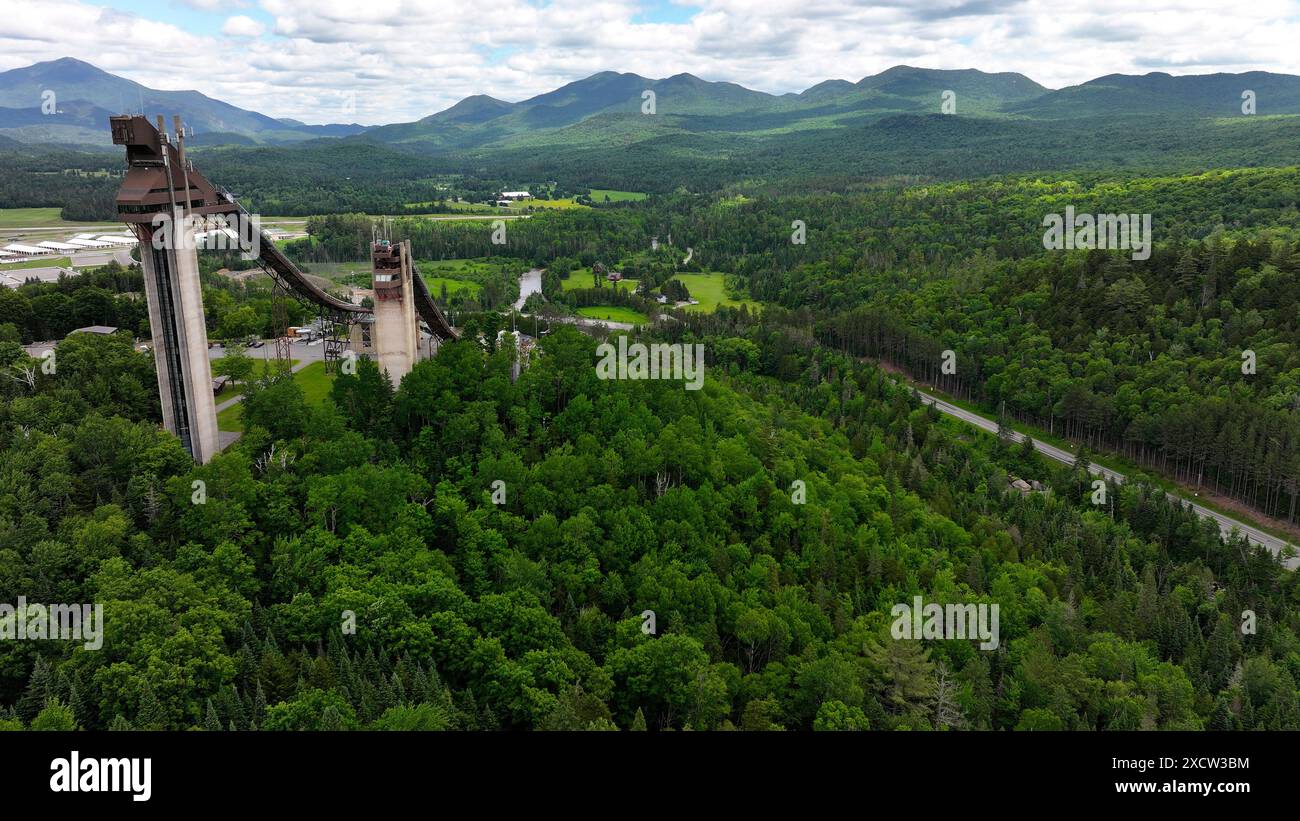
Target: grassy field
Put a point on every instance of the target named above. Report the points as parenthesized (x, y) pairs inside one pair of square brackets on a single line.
[(467, 207), (464, 273), (708, 289), (313, 380), (228, 419), (502, 213), (450, 268), (523, 205), (614, 313), (45, 262), (456, 273), (342, 273), (599, 195), (260, 367), (581, 278), (11, 218), (458, 269), (454, 286)]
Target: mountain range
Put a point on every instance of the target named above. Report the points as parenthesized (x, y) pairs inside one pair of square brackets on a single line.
[(607, 108), (85, 97), (593, 133)]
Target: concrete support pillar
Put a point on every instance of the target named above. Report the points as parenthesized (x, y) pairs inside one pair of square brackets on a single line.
[(396, 333), (180, 338)]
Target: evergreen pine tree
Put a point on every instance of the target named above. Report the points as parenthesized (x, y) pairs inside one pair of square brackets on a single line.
[(210, 720), (37, 692), (330, 719), (76, 703), (150, 716), (1222, 718), (259, 707)]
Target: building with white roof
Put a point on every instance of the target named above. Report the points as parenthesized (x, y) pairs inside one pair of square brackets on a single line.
[(58, 246), (21, 276), (19, 250)]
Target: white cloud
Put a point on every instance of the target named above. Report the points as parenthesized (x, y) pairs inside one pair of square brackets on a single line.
[(402, 60), (242, 26)]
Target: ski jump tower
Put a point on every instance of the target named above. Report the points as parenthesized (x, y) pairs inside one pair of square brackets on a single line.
[(397, 328), (164, 199), (158, 194)]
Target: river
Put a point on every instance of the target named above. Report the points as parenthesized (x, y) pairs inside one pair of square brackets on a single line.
[(529, 283)]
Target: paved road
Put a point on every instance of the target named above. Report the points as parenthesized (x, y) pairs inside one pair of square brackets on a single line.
[(102, 227), (1226, 523), (480, 217)]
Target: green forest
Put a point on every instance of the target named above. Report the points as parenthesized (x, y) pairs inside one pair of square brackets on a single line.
[(621, 497), (1142, 358), (493, 544)]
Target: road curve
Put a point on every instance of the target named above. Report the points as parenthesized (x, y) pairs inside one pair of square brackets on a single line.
[(1226, 523)]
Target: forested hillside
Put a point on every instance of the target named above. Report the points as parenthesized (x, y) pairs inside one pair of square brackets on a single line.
[(81, 184), (1142, 357), (704, 136), (621, 497)]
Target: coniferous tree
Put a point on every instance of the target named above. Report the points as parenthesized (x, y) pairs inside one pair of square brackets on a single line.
[(210, 720), (37, 692)]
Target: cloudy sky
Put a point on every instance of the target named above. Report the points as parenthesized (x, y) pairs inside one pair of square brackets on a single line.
[(398, 60)]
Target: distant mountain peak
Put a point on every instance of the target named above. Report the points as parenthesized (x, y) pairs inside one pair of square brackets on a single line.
[(88, 95), (827, 87), (67, 69), (476, 108)]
